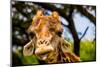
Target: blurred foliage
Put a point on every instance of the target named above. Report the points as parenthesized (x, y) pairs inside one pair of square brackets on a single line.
[(87, 51), (23, 60)]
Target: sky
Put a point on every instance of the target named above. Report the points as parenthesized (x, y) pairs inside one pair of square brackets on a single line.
[(81, 23)]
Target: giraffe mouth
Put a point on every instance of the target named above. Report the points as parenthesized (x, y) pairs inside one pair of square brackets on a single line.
[(43, 56), (44, 50)]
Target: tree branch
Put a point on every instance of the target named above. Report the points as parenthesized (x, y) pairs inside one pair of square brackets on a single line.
[(84, 32), (64, 25), (87, 14)]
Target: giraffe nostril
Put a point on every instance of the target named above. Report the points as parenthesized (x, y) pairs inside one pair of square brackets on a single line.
[(45, 42), (41, 42)]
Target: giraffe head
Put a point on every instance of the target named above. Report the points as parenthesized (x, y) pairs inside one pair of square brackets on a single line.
[(45, 28)]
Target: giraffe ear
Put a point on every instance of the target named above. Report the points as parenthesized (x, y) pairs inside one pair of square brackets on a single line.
[(35, 21), (28, 49), (55, 15), (38, 14)]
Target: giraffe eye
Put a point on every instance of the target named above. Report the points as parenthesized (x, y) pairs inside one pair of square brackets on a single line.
[(59, 33), (52, 29)]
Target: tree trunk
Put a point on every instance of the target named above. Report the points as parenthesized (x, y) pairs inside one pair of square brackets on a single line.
[(77, 47), (73, 31)]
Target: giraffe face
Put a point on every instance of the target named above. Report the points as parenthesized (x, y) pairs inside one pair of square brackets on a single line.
[(45, 28)]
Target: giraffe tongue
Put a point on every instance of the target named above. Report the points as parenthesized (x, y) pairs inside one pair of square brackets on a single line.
[(44, 56)]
